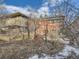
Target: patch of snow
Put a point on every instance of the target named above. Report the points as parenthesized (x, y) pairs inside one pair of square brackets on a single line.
[(61, 55)]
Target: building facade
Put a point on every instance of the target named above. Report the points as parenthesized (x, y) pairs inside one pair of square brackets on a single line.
[(19, 26)]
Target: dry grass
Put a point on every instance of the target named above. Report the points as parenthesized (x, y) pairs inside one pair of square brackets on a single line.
[(25, 49)]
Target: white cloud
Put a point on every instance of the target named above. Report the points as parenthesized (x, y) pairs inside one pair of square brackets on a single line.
[(45, 4), (17, 9), (44, 10), (28, 11), (54, 2)]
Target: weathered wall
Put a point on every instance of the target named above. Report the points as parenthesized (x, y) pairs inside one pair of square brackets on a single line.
[(35, 27)]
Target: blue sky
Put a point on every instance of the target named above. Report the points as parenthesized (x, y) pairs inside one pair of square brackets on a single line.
[(23, 3), (40, 6), (32, 3)]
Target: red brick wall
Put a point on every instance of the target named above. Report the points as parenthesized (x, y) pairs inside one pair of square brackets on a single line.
[(50, 26)]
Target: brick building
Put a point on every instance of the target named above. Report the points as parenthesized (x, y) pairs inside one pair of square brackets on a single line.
[(21, 23)]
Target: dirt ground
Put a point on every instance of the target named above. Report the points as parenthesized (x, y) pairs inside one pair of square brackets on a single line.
[(28, 48)]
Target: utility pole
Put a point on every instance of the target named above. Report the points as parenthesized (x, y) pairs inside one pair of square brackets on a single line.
[(46, 26), (28, 29)]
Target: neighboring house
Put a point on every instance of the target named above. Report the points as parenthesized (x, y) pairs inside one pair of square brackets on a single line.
[(17, 23)]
